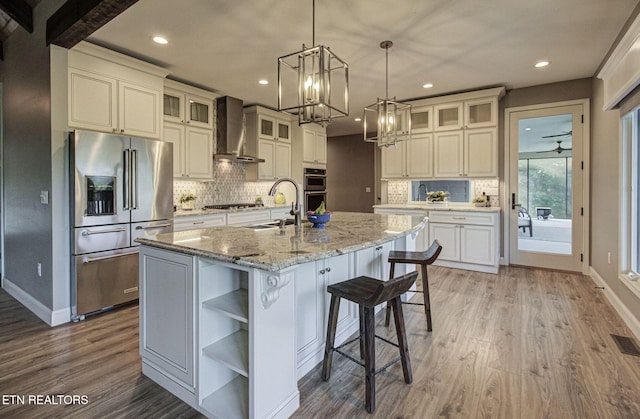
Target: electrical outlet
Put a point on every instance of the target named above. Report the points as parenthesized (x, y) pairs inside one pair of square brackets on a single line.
[(44, 197), (367, 189), (39, 269)]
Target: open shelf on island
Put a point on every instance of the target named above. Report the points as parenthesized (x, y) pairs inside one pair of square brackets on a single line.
[(230, 401), (232, 351), (234, 304)]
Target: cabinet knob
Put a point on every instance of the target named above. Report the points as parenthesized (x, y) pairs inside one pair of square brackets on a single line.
[(322, 271), (328, 269)]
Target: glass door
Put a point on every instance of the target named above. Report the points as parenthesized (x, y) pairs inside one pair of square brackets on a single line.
[(545, 208)]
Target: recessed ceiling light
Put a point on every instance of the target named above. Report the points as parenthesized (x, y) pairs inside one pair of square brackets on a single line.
[(427, 85), (160, 40), (527, 129), (263, 81), (358, 119), (541, 64)]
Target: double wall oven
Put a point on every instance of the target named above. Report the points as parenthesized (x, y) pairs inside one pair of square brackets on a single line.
[(315, 188)]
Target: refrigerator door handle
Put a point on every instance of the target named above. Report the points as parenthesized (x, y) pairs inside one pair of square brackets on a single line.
[(126, 184), (134, 179)]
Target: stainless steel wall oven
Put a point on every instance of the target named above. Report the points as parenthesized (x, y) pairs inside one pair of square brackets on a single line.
[(315, 188)]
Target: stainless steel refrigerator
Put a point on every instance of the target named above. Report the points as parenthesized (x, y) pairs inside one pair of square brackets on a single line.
[(121, 188)]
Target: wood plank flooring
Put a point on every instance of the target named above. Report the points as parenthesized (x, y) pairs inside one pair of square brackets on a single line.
[(526, 343)]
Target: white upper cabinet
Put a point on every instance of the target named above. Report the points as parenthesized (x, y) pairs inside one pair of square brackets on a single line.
[(188, 124), (421, 119), (192, 150), (185, 104), (481, 113), (314, 145), (268, 136), (110, 92), (452, 136), (409, 159), (448, 116)]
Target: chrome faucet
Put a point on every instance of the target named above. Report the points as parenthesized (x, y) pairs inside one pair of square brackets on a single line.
[(295, 209)]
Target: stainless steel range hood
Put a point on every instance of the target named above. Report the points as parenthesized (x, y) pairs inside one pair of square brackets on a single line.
[(230, 132)]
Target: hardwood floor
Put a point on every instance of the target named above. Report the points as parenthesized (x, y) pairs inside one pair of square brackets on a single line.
[(526, 343)]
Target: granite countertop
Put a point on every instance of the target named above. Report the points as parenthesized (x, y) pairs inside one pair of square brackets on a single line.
[(273, 250), (200, 211), (439, 207)]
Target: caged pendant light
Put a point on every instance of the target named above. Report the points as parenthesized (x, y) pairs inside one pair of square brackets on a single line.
[(392, 118), (318, 79)]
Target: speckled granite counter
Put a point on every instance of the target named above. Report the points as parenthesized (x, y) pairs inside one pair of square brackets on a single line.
[(273, 250), (437, 207), (231, 318)]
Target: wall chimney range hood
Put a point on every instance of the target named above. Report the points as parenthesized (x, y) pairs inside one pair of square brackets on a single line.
[(230, 132)]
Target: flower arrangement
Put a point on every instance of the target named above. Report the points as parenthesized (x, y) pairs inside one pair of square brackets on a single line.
[(187, 200), (437, 196), (186, 197), (480, 201)]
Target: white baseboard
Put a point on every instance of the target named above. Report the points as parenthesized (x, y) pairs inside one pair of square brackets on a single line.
[(50, 317), (630, 320)]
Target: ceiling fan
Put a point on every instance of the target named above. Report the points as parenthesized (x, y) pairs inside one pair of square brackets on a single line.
[(559, 149), (563, 134)]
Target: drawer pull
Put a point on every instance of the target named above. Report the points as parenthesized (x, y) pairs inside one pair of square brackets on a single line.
[(198, 222), (459, 218), (114, 230)]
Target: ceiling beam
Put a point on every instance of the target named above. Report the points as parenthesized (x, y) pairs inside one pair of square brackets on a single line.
[(75, 20), (19, 11)]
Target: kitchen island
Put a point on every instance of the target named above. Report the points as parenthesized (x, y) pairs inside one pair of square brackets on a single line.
[(232, 317)]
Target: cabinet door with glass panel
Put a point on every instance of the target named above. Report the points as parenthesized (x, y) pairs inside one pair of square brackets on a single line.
[(448, 116), (187, 108), (481, 113), (422, 119), (274, 129)]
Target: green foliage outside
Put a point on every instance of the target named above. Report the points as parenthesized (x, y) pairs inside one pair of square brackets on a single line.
[(546, 183)]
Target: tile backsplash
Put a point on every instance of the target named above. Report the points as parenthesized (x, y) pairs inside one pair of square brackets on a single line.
[(398, 190), (228, 186)]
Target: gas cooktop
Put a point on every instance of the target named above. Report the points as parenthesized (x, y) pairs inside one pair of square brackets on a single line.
[(231, 206)]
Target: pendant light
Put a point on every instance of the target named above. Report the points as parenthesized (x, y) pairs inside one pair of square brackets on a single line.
[(313, 83), (391, 119)]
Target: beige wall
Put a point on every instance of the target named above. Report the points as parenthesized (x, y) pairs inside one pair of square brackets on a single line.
[(350, 170), (605, 198)]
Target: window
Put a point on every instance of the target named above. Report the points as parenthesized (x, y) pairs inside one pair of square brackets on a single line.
[(458, 189), (630, 199), (546, 183)]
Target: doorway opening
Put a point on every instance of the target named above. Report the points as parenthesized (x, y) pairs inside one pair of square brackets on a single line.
[(547, 186)]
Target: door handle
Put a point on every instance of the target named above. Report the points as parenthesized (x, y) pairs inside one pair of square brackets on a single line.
[(134, 179), (113, 230), (87, 259), (150, 227), (126, 194), (513, 202)]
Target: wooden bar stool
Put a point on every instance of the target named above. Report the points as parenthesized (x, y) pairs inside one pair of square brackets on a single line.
[(368, 293), (418, 258)]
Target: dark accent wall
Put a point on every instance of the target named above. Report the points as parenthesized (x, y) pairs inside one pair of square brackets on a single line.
[(350, 170), (26, 144)]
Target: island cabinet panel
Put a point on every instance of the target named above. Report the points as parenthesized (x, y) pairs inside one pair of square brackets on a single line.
[(310, 289), (167, 314), (339, 269), (373, 261)]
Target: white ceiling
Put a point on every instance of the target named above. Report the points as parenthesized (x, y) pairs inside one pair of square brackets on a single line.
[(457, 45)]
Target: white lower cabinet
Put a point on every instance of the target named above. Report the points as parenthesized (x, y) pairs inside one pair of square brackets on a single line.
[(469, 239), (248, 217), (192, 222), (312, 280)]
